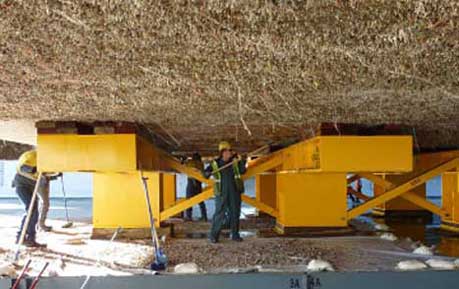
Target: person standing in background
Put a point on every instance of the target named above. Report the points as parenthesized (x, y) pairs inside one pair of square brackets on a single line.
[(194, 187), (43, 193)]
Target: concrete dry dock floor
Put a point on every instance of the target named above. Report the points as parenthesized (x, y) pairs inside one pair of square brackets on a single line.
[(320, 280), (357, 252), (71, 252)]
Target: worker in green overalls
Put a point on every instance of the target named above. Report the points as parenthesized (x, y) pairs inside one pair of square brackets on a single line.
[(228, 189)]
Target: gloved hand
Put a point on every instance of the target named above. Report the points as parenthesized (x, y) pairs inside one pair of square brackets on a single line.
[(43, 181), (242, 157), (236, 156), (53, 176)]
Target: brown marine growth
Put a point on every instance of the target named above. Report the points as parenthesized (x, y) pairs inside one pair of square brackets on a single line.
[(250, 72)]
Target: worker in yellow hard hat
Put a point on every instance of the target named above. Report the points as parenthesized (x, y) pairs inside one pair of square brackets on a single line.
[(224, 145), (24, 182), (228, 189)]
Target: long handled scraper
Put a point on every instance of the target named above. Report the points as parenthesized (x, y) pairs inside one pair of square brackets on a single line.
[(160, 262)]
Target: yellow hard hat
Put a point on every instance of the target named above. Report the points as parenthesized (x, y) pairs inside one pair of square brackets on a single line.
[(224, 145), (29, 158)]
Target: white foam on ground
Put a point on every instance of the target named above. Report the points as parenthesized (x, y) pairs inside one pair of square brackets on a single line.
[(319, 265), (7, 269), (388, 237), (411, 265), (187, 268), (423, 250), (441, 264), (381, 227)]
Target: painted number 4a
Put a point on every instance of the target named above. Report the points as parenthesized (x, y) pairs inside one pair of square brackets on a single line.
[(295, 283), (313, 282)]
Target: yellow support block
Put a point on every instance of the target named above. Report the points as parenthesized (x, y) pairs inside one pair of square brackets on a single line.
[(188, 203), (119, 200), (422, 162), (351, 154), (403, 188), (265, 189), (399, 204), (173, 163), (260, 206), (168, 189), (72, 152), (311, 200), (98, 153), (450, 201), (412, 197), (148, 156)]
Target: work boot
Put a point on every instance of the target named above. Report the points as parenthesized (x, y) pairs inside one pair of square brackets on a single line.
[(212, 240), (46, 228), (33, 244), (237, 238)]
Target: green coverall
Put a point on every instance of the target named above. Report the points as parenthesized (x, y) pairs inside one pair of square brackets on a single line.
[(227, 197)]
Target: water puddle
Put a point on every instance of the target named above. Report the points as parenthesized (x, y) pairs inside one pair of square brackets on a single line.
[(421, 229), (428, 232)]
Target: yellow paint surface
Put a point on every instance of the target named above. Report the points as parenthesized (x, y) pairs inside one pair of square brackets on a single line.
[(72, 152), (450, 197), (312, 199), (148, 155), (422, 162), (168, 189), (265, 189), (351, 154), (119, 200), (399, 203)]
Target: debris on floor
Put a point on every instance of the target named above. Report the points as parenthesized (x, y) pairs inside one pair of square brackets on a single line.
[(319, 265), (388, 237), (75, 241), (441, 264), (423, 250), (187, 268), (72, 252), (411, 265), (381, 227), (7, 269)]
